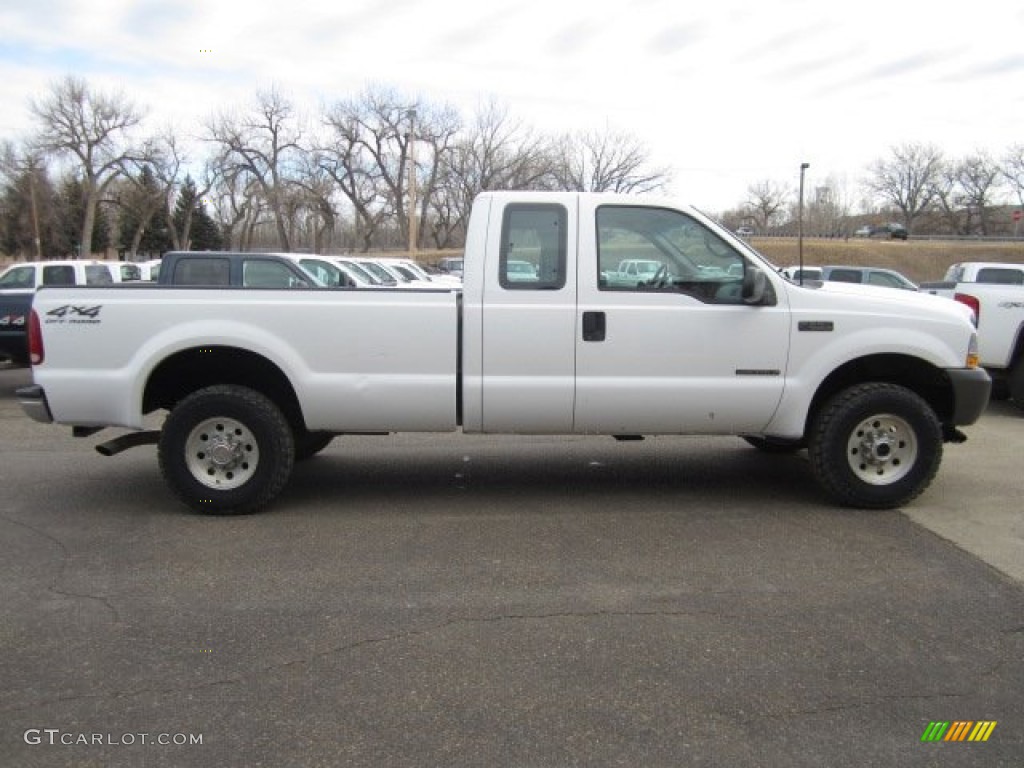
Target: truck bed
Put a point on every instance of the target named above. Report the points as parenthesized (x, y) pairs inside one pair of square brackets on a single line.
[(358, 359)]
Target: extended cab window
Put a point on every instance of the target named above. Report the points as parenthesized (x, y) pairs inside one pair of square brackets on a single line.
[(202, 271), (657, 249), (533, 247), (98, 274), (1001, 276), (63, 274), (845, 276)]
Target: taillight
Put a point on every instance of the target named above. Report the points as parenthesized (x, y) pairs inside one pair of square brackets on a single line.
[(973, 303), (36, 354)]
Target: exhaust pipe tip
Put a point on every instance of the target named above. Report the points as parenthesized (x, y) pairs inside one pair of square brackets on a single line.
[(124, 442)]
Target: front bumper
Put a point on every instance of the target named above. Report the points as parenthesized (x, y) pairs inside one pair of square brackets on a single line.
[(972, 388), (32, 400)]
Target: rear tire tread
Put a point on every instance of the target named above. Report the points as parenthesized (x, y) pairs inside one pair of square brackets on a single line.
[(277, 449)]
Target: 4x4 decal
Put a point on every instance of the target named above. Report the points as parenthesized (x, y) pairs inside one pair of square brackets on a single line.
[(73, 313)]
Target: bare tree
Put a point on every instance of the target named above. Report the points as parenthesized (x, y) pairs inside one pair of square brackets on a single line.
[(907, 179), (262, 143), (766, 203), (1013, 171), (345, 156), (979, 177), (829, 208), (496, 152), (367, 152), (947, 194), (315, 187), (95, 129), (606, 162)]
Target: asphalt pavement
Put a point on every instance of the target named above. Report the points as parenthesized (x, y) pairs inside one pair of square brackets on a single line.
[(448, 600)]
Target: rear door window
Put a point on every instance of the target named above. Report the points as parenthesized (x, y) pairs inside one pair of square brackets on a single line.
[(533, 247)]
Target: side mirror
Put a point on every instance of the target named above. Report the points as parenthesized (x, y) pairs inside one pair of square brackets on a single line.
[(757, 290)]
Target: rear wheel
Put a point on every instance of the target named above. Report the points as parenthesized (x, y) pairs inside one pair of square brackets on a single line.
[(875, 446), (226, 450)]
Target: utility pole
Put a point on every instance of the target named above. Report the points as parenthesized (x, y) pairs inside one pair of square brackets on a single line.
[(412, 182), (800, 222)]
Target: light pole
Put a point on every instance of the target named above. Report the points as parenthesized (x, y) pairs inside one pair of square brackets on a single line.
[(412, 182), (800, 222)]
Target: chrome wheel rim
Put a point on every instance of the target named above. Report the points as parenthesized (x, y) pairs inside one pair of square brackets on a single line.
[(222, 453), (882, 449)]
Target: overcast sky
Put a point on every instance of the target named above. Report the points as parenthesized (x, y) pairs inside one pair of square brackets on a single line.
[(725, 93)]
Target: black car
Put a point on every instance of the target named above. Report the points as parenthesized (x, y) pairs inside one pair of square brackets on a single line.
[(892, 231)]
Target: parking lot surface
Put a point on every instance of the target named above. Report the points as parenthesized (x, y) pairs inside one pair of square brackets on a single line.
[(446, 600)]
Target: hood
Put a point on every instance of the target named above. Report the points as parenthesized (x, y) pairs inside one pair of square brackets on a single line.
[(889, 299)]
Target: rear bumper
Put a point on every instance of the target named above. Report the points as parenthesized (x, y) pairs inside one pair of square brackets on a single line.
[(32, 400), (972, 388)]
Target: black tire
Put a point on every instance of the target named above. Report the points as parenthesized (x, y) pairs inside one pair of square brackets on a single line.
[(875, 446), (776, 445), (309, 444), (226, 450), (1015, 383)]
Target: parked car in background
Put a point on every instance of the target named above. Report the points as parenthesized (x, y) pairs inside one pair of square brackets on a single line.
[(863, 231), (451, 266), (362, 275), (995, 293), (892, 230), (19, 282), (631, 273), (797, 274), (984, 272), (744, 231), (327, 272), (230, 269), (887, 278), (149, 270), (380, 272), (411, 269)]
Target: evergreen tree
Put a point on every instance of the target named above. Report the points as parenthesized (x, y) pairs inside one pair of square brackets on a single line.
[(140, 230), (70, 215), (193, 223), (27, 209)]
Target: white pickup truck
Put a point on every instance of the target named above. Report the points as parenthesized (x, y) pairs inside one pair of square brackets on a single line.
[(715, 341), (994, 292)]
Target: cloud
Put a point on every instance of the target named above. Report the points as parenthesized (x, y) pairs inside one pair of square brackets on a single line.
[(677, 38)]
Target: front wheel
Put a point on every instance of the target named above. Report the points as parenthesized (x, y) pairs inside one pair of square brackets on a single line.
[(875, 446), (226, 450)]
